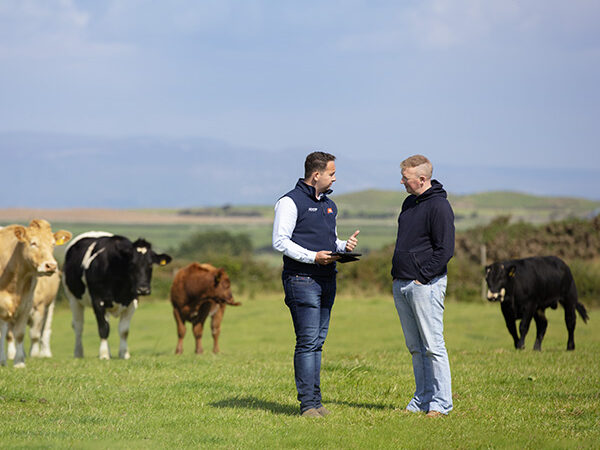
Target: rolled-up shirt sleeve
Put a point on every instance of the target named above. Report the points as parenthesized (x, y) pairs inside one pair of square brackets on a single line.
[(286, 214)]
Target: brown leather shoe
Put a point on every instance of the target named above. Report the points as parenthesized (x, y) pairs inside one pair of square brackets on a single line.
[(434, 414), (312, 412), (323, 411)]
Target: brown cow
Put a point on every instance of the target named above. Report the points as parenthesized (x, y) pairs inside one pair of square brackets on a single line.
[(200, 290), (40, 319), (25, 254)]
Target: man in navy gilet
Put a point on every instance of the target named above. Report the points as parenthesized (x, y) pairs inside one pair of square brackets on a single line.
[(424, 245), (304, 230)]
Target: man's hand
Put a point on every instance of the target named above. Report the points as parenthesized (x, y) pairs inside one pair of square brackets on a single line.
[(352, 242), (324, 257)]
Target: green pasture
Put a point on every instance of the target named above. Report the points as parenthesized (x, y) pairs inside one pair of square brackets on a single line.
[(374, 233), (245, 396)]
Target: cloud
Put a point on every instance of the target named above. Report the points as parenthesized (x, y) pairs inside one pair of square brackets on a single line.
[(44, 30), (450, 24)]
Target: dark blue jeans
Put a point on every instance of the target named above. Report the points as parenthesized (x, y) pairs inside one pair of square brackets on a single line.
[(310, 301)]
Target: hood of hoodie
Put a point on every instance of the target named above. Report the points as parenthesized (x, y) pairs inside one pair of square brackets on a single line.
[(436, 190)]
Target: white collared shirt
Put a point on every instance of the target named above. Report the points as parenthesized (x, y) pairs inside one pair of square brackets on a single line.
[(286, 215)]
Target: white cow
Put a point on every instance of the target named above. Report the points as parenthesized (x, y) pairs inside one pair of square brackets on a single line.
[(40, 320), (25, 255)]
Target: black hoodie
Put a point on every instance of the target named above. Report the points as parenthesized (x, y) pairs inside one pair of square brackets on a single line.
[(425, 241)]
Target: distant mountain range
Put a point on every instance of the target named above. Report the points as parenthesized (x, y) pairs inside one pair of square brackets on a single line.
[(44, 170)]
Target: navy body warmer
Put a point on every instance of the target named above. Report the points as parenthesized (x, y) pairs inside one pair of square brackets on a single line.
[(315, 229)]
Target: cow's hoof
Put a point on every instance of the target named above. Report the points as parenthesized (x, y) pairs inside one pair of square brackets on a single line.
[(125, 355), (20, 365), (105, 357)]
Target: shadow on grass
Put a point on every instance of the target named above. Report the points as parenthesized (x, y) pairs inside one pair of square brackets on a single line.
[(361, 405), (288, 410), (256, 403)]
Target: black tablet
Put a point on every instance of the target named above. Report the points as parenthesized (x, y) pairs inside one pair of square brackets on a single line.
[(346, 256)]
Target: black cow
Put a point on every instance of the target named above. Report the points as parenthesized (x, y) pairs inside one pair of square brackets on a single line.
[(526, 287), (107, 272)]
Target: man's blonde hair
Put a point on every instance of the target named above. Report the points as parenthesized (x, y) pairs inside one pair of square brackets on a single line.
[(422, 164)]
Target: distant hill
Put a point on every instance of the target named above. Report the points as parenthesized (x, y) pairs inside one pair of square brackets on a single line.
[(472, 208), (51, 170), (510, 200), (469, 209)]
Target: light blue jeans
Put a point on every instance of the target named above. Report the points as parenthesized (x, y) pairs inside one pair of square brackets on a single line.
[(421, 311)]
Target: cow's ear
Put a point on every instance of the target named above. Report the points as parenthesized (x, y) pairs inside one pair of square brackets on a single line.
[(21, 233), (162, 259), (511, 271), (62, 236), (218, 276), (488, 268)]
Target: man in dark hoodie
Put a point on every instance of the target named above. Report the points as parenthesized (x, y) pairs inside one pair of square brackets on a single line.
[(424, 245), (304, 230)]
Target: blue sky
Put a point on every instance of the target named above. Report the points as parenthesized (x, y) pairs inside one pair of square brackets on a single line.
[(490, 83)]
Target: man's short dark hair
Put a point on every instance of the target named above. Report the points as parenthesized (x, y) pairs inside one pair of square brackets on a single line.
[(316, 162)]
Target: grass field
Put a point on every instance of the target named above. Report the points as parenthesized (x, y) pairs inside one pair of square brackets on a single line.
[(245, 397)]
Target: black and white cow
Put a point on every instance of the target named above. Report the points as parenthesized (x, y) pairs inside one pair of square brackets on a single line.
[(107, 272), (526, 287)]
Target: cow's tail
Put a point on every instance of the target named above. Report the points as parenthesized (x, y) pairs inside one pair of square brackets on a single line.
[(582, 312)]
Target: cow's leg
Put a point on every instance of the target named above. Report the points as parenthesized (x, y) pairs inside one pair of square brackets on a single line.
[(45, 351), (124, 324), (541, 323), (18, 330), (510, 320), (198, 325), (11, 348), (215, 324), (103, 329), (77, 323), (3, 333), (528, 314), (180, 331), (35, 330), (570, 320)]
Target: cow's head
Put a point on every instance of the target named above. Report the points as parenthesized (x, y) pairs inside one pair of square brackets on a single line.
[(223, 287), (498, 276), (38, 243), (141, 265)]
